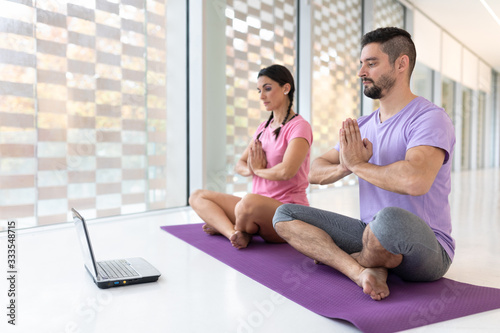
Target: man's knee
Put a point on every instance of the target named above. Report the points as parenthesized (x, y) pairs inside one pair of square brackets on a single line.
[(391, 213), (282, 214), (391, 221), (376, 253), (281, 220), (281, 228), (393, 226)]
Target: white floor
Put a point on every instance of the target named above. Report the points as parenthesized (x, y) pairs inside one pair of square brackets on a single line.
[(197, 293)]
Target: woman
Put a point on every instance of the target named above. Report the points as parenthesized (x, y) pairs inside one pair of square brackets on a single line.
[(278, 160)]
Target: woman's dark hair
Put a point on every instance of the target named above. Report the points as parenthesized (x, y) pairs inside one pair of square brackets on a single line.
[(282, 76)]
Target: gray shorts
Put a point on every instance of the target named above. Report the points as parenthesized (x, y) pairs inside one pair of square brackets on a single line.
[(399, 232)]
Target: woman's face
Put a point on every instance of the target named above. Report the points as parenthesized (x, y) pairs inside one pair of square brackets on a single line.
[(272, 94)]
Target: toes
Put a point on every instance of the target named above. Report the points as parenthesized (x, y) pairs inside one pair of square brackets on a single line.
[(234, 240), (239, 240), (210, 230)]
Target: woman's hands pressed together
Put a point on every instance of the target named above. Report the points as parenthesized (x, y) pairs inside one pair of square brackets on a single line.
[(256, 157)]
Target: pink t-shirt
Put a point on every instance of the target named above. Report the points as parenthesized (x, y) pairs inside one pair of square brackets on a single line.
[(294, 189)]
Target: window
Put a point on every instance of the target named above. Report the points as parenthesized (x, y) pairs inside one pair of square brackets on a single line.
[(448, 102), (336, 32), (481, 130), (258, 34), (422, 81), (448, 97), (466, 128), (82, 109)]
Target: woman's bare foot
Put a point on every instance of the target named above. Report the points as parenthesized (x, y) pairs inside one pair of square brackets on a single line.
[(374, 282), (240, 239), (210, 230)]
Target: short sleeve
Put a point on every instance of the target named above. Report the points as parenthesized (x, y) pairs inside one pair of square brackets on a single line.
[(433, 128), (300, 129)]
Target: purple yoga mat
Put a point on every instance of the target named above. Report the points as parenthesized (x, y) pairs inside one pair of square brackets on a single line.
[(323, 290)]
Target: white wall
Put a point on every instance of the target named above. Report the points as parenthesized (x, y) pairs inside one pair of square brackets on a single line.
[(440, 51)]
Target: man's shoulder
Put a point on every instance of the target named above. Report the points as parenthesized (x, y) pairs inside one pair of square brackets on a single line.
[(366, 118), (421, 111), (428, 110), (423, 105)]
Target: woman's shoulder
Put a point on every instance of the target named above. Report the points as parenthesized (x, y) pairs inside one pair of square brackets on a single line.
[(298, 126), (298, 120), (298, 123)]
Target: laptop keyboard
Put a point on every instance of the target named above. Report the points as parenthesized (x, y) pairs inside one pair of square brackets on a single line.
[(115, 269)]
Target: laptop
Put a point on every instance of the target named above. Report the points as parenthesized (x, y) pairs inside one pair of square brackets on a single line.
[(112, 273)]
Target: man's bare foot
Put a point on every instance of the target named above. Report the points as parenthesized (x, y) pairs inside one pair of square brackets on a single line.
[(355, 255), (374, 282), (240, 239), (210, 230)]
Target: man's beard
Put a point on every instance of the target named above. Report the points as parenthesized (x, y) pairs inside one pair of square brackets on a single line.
[(386, 83)]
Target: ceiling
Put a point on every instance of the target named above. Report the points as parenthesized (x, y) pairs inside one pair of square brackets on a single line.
[(469, 22)]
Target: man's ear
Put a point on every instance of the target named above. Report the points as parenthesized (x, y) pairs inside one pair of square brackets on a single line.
[(403, 62)]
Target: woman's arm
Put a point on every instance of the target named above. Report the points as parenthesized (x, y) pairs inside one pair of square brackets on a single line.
[(293, 158), (241, 166)]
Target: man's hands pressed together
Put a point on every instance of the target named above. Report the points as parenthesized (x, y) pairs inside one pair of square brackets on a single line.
[(354, 150)]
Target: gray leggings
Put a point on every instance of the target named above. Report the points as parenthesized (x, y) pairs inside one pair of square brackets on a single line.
[(399, 232)]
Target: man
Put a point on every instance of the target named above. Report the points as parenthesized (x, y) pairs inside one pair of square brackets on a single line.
[(402, 155)]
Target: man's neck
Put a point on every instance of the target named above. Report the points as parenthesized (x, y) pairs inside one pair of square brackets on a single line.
[(394, 102)]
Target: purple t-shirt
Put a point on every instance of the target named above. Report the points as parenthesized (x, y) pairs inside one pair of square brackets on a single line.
[(420, 123), (294, 189)]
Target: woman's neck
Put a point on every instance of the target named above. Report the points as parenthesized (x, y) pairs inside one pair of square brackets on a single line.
[(279, 117)]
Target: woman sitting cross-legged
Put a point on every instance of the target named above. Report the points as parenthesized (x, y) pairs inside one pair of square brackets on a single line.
[(278, 160)]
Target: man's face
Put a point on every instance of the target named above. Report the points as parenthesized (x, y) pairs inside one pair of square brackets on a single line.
[(377, 74)]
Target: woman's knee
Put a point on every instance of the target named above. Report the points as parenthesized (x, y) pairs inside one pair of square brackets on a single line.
[(246, 206), (249, 217), (194, 197), (198, 195)]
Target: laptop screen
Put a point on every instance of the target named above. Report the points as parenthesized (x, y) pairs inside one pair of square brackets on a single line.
[(88, 254)]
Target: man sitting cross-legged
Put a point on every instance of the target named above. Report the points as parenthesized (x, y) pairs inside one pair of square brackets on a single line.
[(402, 155)]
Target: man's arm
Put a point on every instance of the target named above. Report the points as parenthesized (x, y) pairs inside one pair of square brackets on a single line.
[(413, 176), (327, 169)]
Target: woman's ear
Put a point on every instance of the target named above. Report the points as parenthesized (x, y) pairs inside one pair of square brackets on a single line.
[(286, 88)]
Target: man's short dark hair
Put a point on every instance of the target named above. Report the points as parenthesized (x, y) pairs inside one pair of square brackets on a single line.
[(394, 42)]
